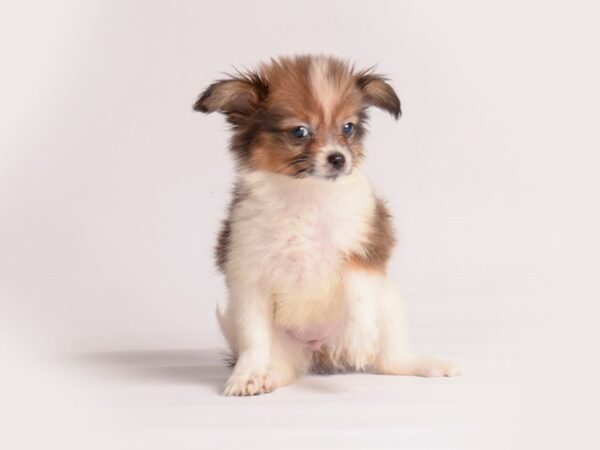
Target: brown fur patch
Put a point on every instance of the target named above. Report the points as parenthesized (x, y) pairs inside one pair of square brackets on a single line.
[(377, 92), (222, 247), (321, 363), (237, 97), (377, 250)]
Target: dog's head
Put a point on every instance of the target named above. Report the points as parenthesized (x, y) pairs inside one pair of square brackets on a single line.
[(300, 116)]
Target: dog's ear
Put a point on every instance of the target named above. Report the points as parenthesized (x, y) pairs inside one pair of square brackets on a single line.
[(237, 96), (377, 92)]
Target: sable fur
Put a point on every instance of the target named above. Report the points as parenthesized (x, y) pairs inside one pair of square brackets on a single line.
[(259, 104), (376, 251), (222, 247)]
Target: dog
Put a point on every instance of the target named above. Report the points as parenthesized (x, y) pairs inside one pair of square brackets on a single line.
[(306, 243)]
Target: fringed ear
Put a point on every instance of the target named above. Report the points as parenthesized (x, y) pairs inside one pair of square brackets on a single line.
[(237, 97), (377, 92)]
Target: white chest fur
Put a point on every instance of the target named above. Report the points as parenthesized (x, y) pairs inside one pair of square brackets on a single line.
[(290, 236)]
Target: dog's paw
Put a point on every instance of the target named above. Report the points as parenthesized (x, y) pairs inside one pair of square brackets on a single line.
[(422, 367), (248, 384), (430, 367)]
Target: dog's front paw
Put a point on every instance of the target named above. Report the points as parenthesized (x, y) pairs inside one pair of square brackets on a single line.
[(248, 384)]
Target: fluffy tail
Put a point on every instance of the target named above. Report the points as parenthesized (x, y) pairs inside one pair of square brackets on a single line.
[(229, 357)]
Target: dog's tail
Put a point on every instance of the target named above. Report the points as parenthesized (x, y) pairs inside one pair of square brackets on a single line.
[(229, 357), (220, 319)]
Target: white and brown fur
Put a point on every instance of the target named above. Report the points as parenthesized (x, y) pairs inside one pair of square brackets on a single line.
[(305, 246)]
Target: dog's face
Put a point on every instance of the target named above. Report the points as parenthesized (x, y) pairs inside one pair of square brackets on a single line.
[(301, 116)]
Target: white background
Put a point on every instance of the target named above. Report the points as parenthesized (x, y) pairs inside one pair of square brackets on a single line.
[(112, 189)]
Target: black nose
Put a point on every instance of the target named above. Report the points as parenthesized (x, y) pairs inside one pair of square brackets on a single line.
[(337, 160)]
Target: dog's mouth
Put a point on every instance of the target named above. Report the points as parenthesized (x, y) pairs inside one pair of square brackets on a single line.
[(328, 175), (334, 175)]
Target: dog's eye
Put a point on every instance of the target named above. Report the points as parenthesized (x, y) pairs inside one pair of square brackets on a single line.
[(300, 132), (348, 128)]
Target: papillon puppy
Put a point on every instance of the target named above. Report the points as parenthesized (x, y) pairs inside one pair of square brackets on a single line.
[(306, 243)]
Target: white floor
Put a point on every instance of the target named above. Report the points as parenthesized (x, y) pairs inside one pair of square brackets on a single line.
[(171, 400), (511, 396)]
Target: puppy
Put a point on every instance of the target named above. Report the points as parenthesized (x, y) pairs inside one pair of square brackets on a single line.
[(306, 243)]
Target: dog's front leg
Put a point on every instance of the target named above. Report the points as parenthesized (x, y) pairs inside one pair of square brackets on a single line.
[(252, 317)]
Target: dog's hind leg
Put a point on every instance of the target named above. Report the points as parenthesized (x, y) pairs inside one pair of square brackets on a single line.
[(394, 356)]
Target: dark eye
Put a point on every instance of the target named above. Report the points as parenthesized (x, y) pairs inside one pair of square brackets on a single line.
[(300, 132), (348, 128)]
